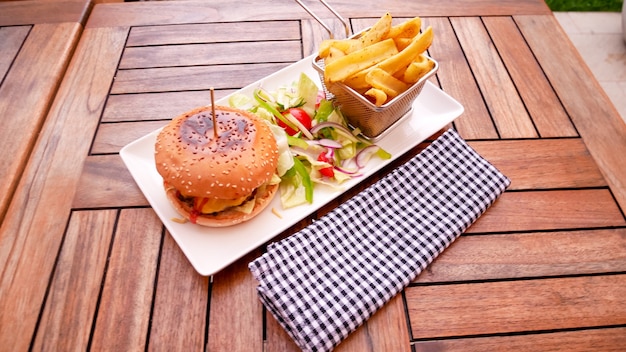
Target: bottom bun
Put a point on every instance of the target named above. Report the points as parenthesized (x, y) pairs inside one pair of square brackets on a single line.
[(224, 218)]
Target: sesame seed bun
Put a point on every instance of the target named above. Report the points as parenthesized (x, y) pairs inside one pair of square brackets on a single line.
[(195, 163)]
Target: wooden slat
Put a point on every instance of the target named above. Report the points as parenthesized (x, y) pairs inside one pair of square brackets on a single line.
[(607, 340), (156, 106), (386, 330), (112, 137), (191, 78), (129, 283), (11, 40), (529, 255), (546, 304), (39, 12), (210, 54), (539, 98), (159, 13), (105, 182), (550, 210), (213, 33), (596, 119), (180, 303), (43, 197), (239, 329), (72, 301), (503, 101), (26, 94), (543, 163), (456, 79)]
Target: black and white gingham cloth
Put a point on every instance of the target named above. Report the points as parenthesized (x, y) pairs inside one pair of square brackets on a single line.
[(324, 281)]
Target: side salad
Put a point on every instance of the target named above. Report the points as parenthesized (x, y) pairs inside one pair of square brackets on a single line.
[(315, 143)]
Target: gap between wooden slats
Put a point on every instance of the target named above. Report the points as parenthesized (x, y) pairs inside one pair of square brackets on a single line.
[(595, 117), (26, 94), (543, 105), (180, 303), (606, 340), (128, 287), (214, 33), (72, 299), (236, 313), (156, 106), (456, 78), (550, 210), (210, 54), (470, 309), (36, 207), (499, 92), (191, 77), (532, 254), (542, 163), (11, 39)]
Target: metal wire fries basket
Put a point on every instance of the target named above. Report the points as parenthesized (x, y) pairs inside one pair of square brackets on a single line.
[(373, 121)]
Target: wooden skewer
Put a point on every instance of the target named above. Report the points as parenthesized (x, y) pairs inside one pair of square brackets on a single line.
[(215, 134)]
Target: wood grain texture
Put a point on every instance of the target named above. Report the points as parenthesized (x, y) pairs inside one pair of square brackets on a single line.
[(470, 309), (191, 77), (154, 13), (156, 106), (455, 77), (543, 163), (210, 54), (550, 210), (105, 181), (26, 94), (112, 137), (386, 330), (505, 105), (40, 208), (180, 303), (75, 287), (223, 32), (11, 40), (542, 104), (596, 119), (38, 12), (609, 340), (128, 289), (239, 329), (532, 254)]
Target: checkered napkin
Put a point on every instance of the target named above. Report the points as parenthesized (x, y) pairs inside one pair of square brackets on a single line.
[(324, 281)]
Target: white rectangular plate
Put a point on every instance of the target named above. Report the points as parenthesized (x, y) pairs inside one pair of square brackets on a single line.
[(211, 249)]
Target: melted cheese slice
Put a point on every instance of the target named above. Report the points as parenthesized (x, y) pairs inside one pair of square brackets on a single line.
[(211, 205)]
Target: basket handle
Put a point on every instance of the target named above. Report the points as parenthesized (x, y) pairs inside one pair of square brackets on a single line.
[(319, 20)]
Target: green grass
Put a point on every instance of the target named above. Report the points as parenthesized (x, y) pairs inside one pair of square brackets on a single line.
[(585, 5)]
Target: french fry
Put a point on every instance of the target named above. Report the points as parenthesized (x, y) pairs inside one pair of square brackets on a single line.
[(402, 43), (406, 29), (377, 96), (375, 34), (419, 44), (381, 79), (346, 66), (341, 44), (418, 68), (383, 62), (333, 54)]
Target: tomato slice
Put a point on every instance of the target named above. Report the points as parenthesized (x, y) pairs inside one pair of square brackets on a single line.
[(327, 171), (300, 115)]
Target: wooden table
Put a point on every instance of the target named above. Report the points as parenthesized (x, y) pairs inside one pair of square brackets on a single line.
[(37, 39), (86, 263)]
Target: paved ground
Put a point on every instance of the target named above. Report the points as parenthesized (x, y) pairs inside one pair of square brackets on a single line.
[(598, 37)]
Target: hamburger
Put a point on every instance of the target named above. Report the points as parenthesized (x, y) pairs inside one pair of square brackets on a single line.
[(218, 179)]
